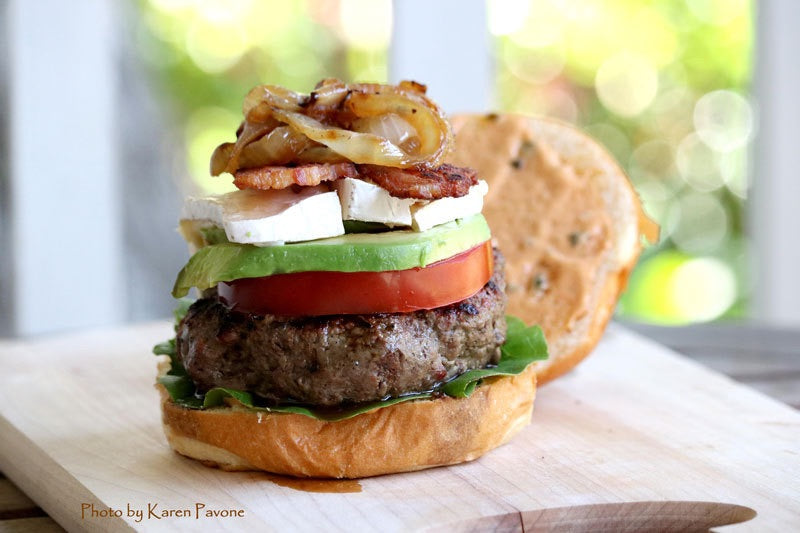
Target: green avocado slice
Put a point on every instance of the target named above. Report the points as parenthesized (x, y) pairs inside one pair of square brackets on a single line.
[(353, 252)]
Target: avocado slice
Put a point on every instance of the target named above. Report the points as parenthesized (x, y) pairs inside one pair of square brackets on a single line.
[(353, 252)]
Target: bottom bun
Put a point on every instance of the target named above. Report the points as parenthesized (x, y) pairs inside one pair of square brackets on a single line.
[(408, 436)]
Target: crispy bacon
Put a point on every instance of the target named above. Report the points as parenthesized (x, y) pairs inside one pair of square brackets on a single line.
[(421, 182), (271, 177)]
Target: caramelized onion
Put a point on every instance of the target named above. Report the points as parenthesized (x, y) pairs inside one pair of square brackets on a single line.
[(415, 108), (280, 146), (392, 128), (329, 93), (226, 158), (356, 147), (220, 158), (272, 96), (318, 153), (396, 126)]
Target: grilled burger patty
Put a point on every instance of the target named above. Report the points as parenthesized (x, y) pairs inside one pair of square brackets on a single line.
[(342, 358)]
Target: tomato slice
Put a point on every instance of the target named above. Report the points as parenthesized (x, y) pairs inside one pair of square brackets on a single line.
[(334, 293)]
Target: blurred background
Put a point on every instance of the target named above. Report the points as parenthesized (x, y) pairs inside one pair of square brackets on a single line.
[(111, 111)]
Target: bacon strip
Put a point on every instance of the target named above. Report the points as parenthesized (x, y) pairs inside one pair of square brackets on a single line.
[(270, 177), (421, 182)]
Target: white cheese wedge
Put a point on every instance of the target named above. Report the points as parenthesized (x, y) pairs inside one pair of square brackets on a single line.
[(271, 217), (433, 213), (369, 203)]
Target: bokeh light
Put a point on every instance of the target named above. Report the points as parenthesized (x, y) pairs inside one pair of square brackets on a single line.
[(214, 46), (682, 289), (365, 23), (702, 289), (535, 65), (702, 223), (206, 128), (540, 31), (717, 12), (723, 120), (626, 83), (655, 303), (171, 6), (734, 170), (508, 16), (655, 157), (698, 164)]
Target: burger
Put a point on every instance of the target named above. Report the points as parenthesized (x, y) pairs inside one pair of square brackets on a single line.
[(352, 312)]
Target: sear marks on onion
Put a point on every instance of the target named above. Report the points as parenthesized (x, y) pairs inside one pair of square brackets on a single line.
[(396, 126), (325, 103), (272, 177), (226, 156), (412, 85), (421, 182)]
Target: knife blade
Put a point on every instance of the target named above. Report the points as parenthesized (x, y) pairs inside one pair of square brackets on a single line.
[(647, 516)]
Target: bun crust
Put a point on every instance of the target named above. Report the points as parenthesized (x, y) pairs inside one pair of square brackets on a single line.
[(408, 436), (567, 220)]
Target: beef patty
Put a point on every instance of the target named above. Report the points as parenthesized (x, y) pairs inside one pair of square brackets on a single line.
[(339, 359)]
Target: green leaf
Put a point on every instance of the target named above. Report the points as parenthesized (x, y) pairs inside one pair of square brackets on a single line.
[(179, 387), (180, 311), (523, 346), (217, 397), (165, 348), (523, 342)]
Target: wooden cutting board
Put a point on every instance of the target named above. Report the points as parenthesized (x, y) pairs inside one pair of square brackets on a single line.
[(79, 426)]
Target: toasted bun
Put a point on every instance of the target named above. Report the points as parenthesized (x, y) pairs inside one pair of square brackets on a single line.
[(567, 220), (407, 436)]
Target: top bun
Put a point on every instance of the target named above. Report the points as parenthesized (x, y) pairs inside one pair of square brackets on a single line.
[(567, 220)]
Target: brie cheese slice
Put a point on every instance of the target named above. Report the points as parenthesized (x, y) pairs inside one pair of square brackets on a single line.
[(368, 202), (430, 214), (271, 217)]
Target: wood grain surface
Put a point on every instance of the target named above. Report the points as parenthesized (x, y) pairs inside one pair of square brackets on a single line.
[(79, 426), (766, 358)]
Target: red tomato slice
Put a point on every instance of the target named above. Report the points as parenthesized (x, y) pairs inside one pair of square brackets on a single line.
[(334, 293)]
